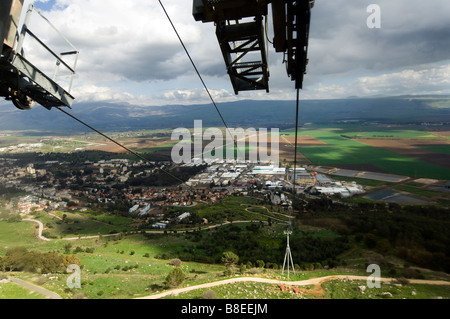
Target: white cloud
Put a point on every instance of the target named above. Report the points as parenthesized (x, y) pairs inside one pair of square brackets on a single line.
[(129, 52), (424, 79)]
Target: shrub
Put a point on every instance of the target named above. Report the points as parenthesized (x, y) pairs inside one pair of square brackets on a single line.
[(175, 278), (401, 281), (80, 295), (67, 248), (41, 280), (208, 294), (175, 262), (228, 272)]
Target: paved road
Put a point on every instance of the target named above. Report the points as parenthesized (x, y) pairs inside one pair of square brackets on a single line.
[(313, 281)]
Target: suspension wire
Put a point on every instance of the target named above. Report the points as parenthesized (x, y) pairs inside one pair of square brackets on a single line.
[(267, 30), (117, 143), (296, 143), (193, 63), (198, 72), (204, 85)]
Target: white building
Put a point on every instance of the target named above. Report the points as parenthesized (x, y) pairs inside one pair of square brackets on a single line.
[(344, 191), (144, 211), (183, 216), (268, 170), (159, 225), (133, 209)]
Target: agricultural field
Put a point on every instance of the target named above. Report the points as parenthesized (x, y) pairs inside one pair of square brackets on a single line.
[(122, 260), (143, 141), (414, 151), (408, 151)]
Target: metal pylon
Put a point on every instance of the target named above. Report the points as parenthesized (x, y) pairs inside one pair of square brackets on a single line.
[(288, 256)]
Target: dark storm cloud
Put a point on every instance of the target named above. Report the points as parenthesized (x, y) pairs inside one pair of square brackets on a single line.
[(125, 44), (411, 33)]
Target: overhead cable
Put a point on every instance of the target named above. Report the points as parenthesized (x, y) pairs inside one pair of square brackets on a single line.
[(197, 71), (117, 143)]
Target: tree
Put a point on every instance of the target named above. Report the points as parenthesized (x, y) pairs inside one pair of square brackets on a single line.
[(175, 278), (71, 260), (52, 263), (229, 259)]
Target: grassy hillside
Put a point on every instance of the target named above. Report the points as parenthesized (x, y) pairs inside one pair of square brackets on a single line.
[(328, 240)]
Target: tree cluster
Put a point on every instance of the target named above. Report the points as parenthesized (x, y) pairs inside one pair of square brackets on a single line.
[(20, 259), (253, 245), (414, 233)]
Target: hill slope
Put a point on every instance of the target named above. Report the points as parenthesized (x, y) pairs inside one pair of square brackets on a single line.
[(247, 113)]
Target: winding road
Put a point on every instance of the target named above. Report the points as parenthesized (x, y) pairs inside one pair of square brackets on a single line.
[(175, 292), (41, 228), (313, 281)]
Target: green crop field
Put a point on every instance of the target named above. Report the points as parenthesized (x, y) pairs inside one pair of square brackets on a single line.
[(328, 155), (444, 149), (390, 134), (342, 150)]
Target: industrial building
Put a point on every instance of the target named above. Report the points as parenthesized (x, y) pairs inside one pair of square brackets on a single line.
[(269, 170), (338, 189), (301, 175)]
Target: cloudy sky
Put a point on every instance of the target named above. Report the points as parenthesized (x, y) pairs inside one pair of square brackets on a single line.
[(129, 52)]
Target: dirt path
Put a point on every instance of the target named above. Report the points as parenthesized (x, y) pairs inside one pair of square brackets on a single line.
[(317, 291), (41, 228), (248, 210), (47, 293), (169, 231)]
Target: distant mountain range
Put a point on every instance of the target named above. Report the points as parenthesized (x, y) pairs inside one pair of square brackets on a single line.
[(246, 113)]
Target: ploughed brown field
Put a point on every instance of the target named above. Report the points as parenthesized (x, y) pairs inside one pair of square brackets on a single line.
[(304, 140), (410, 147)]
